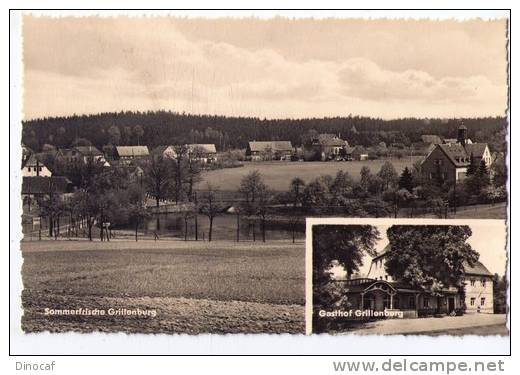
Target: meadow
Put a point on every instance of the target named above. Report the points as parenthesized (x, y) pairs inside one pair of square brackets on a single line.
[(278, 174), (196, 287)]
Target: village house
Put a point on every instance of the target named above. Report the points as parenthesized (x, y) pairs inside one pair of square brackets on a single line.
[(35, 188), (450, 161), (203, 152), (359, 153), (34, 167), (269, 150), (379, 292), (127, 154), (81, 154), (325, 146)]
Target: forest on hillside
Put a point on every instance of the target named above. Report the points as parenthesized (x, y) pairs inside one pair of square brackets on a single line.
[(155, 128)]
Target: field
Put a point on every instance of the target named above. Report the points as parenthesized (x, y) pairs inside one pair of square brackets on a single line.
[(278, 174), (195, 287)]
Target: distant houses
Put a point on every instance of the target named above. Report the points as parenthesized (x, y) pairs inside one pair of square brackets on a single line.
[(81, 154), (35, 167), (450, 161), (203, 152), (359, 153), (325, 146), (127, 154), (269, 150)]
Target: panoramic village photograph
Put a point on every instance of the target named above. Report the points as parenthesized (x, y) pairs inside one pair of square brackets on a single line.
[(409, 279), (168, 166)]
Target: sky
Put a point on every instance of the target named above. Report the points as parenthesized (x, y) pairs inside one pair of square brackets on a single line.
[(488, 238), (273, 68)]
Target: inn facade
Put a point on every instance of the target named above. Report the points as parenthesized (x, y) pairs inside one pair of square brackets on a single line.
[(378, 291)]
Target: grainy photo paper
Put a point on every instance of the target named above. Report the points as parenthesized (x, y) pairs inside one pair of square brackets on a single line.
[(263, 175)]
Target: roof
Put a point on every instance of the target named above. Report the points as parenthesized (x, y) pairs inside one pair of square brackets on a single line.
[(132, 151), (477, 149), (33, 159), (261, 146), (207, 147), (477, 269), (328, 139), (44, 185), (88, 150), (431, 138), (460, 155), (456, 153)]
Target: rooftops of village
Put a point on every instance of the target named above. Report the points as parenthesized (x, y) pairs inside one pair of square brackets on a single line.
[(88, 150), (132, 151), (35, 185), (328, 139), (263, 146), (208, 148)]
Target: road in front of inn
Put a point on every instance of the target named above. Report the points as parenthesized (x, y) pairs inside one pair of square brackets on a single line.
[(460, 324)]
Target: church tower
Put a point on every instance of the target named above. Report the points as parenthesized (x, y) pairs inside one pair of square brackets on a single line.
[(462, 135)]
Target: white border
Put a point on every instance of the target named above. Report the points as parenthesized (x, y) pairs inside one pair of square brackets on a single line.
[(73, 343)]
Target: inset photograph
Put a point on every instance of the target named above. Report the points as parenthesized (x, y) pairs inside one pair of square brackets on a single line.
[(384, 277)]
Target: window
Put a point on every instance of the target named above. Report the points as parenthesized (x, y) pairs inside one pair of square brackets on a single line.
[(472, 301), (483, 282), (411, 302), (28, 169), (482, 301), (426, 302), (386, 277), (472, 282)]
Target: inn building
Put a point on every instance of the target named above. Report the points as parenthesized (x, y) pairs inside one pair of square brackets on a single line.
[(378, 291)]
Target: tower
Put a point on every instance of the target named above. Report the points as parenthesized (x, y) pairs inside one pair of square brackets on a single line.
[(462, 135)]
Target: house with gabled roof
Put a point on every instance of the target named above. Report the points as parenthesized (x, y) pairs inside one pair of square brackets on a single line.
[(325, 146), (81, 154), (449, 162), (35, 167), (269, 150), (126, 154)]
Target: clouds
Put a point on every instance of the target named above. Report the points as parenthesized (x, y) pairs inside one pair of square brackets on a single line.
[(91, 65)]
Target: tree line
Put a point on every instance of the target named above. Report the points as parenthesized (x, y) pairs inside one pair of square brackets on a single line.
[(155, 128)]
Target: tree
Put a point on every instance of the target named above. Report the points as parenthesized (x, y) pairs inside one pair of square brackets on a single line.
[(211, 206), (430, 257), (251, 188), (157, 179), (139, 132), (114, 135), (365, 177), (388, 175), (193, 169), (499, 172), (342, 245), (296, 195), (180, 171), (499, 294), (81, 142), (406, 180)]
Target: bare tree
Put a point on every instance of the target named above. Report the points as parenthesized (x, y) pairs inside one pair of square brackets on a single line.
[(211, 206)]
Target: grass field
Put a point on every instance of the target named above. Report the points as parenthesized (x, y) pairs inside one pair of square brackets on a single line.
[(194, 286), (278, 174)]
